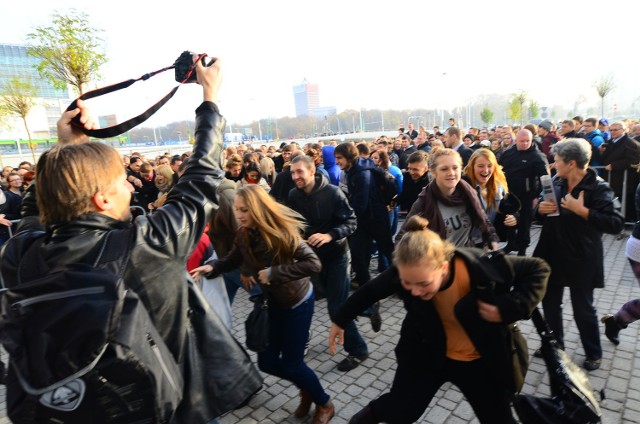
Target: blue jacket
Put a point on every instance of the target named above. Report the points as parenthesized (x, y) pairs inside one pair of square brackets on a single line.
[(330, 165), (596, 139)]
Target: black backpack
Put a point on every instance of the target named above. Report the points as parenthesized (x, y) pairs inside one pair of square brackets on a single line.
[(386, 185), (83, 347)]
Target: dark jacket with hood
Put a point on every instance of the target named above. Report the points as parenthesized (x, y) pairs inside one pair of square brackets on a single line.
[(326, 210), (363, 195), (330, 164), (520, 285), (573, 245), (160, 245)]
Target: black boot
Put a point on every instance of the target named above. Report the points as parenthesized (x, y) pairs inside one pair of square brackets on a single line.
[(612, 328), (365, 416)]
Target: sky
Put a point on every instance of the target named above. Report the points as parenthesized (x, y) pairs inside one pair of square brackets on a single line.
[(363, 54)]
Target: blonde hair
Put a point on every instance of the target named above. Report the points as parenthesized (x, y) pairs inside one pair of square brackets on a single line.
[(280, 227), (268, 169), (68, 177), (440, 152), (419, 243), (496, 180)]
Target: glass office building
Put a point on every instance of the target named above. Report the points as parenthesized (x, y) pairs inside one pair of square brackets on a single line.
[(14, 62)]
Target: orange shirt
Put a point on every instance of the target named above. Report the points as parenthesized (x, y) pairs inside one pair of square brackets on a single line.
[(459, 346)]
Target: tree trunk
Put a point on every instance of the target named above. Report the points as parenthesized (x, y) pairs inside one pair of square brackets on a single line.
[(33, 150)]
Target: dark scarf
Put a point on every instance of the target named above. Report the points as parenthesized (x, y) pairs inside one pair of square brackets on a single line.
[(463, 194)]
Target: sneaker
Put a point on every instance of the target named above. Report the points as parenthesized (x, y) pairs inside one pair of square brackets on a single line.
[(376, 320), (351, 362), (591, 364)]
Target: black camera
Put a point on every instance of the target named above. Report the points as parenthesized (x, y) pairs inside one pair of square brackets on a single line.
[(185, 67)]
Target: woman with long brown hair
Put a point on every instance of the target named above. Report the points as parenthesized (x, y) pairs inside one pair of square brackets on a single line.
[(270, 247)]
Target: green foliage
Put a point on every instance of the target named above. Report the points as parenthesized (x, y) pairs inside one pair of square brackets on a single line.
[(516, 106), (486, 115), (514, 110), (69, 51), (17, 97)]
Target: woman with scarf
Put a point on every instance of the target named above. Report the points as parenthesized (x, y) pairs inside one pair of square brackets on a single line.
[(252, 175), (451, 205)]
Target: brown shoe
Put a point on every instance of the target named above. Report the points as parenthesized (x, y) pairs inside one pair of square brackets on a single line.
[(324, 413), (305, 404)]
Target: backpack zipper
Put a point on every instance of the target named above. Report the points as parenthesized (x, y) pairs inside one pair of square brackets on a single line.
[(17, 306)]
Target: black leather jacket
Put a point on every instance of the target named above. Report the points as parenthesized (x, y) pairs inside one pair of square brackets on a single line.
[(160, 246)]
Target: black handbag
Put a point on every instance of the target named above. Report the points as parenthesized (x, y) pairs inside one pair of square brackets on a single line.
[(257, 325), (573, 400)]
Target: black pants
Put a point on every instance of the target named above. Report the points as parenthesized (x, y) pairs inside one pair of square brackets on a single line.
[(584, 314), (360, 244), (523, 237), (415, 385)]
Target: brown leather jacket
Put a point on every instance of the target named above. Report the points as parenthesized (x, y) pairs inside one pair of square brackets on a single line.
[(289, 279)]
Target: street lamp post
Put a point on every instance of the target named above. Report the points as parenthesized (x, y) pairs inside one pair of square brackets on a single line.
[(179, 137)]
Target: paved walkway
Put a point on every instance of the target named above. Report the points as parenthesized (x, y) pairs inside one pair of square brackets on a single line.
[(619, 375)]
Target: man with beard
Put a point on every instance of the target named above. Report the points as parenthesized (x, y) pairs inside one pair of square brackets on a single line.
[(330, 220)]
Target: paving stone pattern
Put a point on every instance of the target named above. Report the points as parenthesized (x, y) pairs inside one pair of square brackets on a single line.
[(619, 375)]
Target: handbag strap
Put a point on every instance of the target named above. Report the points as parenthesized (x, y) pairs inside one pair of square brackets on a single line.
[(540, 323)]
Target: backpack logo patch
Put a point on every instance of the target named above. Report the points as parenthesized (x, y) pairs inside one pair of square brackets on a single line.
[(66, 397)]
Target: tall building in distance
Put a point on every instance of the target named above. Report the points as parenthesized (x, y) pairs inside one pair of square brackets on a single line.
[(307, 98)]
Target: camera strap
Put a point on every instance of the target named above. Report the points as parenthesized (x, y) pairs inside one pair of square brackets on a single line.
[(128, 124)]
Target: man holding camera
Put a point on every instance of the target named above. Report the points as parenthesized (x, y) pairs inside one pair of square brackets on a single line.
[(79, 216)]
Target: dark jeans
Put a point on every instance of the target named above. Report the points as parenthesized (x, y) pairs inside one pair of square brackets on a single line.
[(584, 315), (383, 261), (415, 385), (284, 358), (232, 283), (334, 281), (360, 243)]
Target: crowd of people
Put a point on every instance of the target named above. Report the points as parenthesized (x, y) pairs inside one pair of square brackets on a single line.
[(296, 224)]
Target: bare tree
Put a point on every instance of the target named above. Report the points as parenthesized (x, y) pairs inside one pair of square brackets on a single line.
[(604, 86)]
